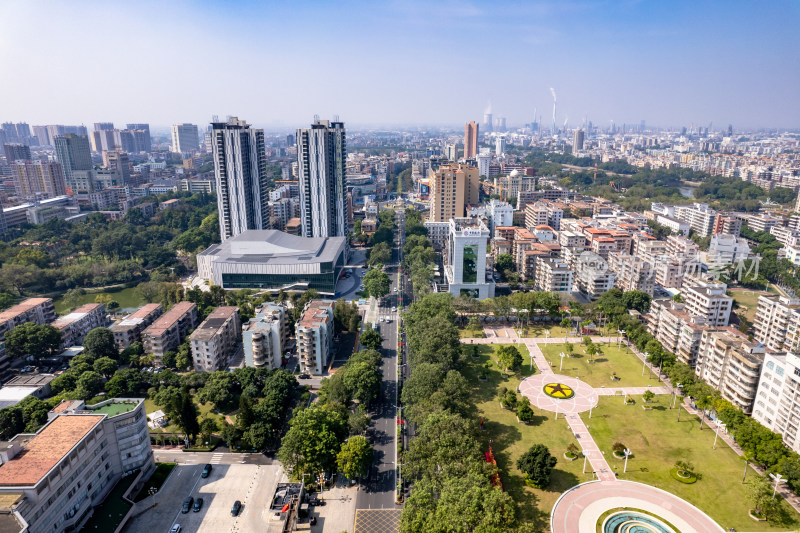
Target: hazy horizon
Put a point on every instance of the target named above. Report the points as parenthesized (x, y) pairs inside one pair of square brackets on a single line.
[(402, 63)]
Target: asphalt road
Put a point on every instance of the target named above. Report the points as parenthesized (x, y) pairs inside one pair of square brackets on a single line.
[(165, 455), (379, 490)]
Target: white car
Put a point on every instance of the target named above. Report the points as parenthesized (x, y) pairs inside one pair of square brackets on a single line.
[(394, 309), (175, 529)]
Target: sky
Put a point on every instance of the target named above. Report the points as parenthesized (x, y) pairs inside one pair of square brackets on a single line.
[(406, 63)]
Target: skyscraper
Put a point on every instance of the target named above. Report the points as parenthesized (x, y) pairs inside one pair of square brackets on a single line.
[(577, 141), (184, 138), (40, 132), (470, 140), (15, 151), (500, 146), (453, 187), (38, 179), (240, 166), (73, 152), (487, 123), (103, 126), (321, 158)]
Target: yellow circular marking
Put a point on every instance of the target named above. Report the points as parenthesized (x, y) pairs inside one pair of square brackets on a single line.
[(559, 391)]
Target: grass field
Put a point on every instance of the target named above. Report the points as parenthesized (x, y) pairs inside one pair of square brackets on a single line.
[(127, 298), (203, 411), (746, 299), (539, 331), (627, 366), (510, 439), (657, 440), (467, 333)]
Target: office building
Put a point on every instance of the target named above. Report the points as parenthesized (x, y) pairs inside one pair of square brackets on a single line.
[(184, 138), (168, 331), (42, 138), (104, 126), (118, 164), (465, 267), (731, 364), (709, 301), (75, 325), (321, 167), (777, 323), (271, 259), (16, 151), (264, 337), (74, 153), (240, 169), (216, 340), (38, 179), (500, 124), (141, 136), (37, 310), (129, 329), (51, 481), (777, 404), (314, 332), (470, 140), (577, 141), (488, 124), (452, 188)]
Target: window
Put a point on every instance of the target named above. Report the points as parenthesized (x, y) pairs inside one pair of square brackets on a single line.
[(779, 371), (770, 365)]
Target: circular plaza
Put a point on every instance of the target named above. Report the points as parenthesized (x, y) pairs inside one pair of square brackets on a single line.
[(555, 393)]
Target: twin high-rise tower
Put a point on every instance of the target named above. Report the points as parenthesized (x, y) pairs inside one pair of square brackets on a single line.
[(242, 192)]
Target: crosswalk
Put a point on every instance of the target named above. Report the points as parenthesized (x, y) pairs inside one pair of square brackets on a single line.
[(216, 458)]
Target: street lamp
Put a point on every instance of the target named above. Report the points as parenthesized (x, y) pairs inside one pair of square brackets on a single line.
[(628, 453), (619, 338), (530, 352), (644, 361), (546, 335), (584, 461), (778, 478), (562, 355), (716, 434), (680, 393)]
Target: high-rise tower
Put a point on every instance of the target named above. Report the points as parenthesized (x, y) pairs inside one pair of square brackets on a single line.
[(74, 153), (184, 138), (470, 140), (240, 166), (577, 141), (321, 168)]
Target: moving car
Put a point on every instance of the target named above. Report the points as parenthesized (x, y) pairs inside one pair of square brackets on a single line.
[(198, 504), (187, 504), (206, 471), (237, 506), (176, 528)]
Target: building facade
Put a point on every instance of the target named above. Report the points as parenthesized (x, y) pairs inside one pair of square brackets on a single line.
[(184, 138), (453, 188), (75, 325), (465, 268), (216, 340), (314, 332), (129, 329), (264, 337), (168, 331), (470, 140)]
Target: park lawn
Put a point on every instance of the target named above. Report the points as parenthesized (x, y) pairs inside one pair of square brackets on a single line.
[(598, 374), (510, 439), (538, 330), (204, 410), (746, 299), (657, 440), (468, 333)]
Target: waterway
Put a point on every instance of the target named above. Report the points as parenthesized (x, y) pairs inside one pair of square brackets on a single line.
[(687, 190)]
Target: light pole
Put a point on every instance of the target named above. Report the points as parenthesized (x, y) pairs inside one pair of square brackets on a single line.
[(152, 491), (628, 453), (680, 395), (546, 335), (530, 352), (625, 400), (619, 338), (584, 461), (644, 361), (556, 418), (562, 355), (716, 434), (778, 478), (590, 409)]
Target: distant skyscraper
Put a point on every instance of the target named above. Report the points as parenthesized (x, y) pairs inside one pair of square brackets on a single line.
[(577, 140), (321, 166), (487, 123), (15, 151), (118, 163), (500, 146), (103, 126), (290, 140), (470, 140), (42, 138), (184, 138), (141, 136), (73, 152), (240, 166), (500, 124), (38, 179), (451, 152)]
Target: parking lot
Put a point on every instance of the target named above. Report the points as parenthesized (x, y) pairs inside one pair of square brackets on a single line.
[(253, 485)]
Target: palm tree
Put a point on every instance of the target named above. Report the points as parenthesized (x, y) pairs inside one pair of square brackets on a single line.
[(703, 403), (746, 457)]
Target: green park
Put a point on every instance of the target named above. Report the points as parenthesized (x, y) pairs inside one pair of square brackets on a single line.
[(610, 366)]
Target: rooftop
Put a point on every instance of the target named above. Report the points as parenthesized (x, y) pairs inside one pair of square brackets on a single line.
[(276, 247), (168, 319), (46, 449), (315, 313), (30, 380), (79, 313), (23, 307), (113, 408), (215, 321), (137, 317)]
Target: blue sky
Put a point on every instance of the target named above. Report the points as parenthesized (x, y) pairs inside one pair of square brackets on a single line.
[(401, 62)]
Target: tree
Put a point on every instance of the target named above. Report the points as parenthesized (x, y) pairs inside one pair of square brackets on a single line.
[(207, 427), (18, 277), (32, 339), (313, 441), (648, 396), (504, 262), (88, 385), (187, 417), (524, 410), (371, 338), (638, 300), (618, 448), (105, 366), (377, 283), (537, 464), (760, 494), (355, 457), (358, 420), (509, 357), (380, 254), (168, 359), (99, 342)]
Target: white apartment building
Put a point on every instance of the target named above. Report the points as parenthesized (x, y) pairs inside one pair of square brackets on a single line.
[(571, 239), (726, 249), (553, 275), (314, 333), (499, 214), (763, 222), (633, 273), (37, 310), (465, 267), (437, 233), (591, 275), (785, 235), (264, 337), (681, 248), (777, 403), (777, 323), (75, 325), (675, 225), (216, 340), (129, 329), (52, 480), (708, 300), (677, 331), (700, 217), (731, 364), (792, 253)]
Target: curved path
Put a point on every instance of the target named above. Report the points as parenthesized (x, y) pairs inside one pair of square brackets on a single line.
[(579, 509)]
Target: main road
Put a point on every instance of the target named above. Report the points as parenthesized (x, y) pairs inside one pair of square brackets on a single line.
[(379, 491)]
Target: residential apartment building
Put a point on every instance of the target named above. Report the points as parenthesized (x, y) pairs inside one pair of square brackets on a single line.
[(452, 188), (633, 273), (679, 247), (777, 323), (184, 138), (728, 224), (763, 222), (777, 403), (314, 333), (38, 179), (74, 153), (52, 480), (553, 275), (75, 325), (731, 364), (264, 337), (785, 235), (700, 217), (591, 275), (37, 310), (724, 249), (709, 301), (168, 331), (678, 331), (216, 340), (129, 329)]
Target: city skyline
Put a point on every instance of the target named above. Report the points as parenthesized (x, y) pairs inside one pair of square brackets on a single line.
[(670, 64)]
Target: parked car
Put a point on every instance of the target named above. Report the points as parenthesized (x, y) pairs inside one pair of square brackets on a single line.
[(305, 375), (237, 506), (198, 504), (187, 504), (176, 528), (206, 471)]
